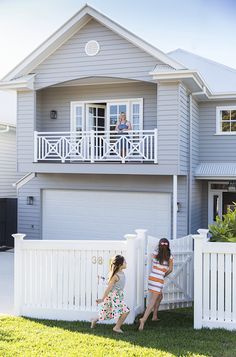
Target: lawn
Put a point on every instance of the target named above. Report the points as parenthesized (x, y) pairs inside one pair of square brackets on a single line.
[(172, 336)]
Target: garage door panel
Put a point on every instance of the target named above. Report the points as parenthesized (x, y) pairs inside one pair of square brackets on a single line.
[(74, 214)]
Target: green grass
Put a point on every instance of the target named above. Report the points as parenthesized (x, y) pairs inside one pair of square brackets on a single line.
[(172, 336)]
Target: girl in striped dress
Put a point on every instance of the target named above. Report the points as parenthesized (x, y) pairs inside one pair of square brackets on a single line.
[(162, 265)]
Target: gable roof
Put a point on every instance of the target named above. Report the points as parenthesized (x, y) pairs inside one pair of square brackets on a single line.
[(219, 78), (81, 18)]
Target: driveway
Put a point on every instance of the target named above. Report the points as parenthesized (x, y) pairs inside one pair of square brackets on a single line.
[(6, 282)]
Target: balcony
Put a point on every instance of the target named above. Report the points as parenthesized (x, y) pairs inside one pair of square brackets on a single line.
[(96, 146)]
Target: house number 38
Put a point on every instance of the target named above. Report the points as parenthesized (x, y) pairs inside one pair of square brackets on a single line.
[(97, 260)]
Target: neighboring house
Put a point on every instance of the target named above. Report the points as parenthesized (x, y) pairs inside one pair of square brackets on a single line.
[(179, 168), (8, 164), (8, 176)]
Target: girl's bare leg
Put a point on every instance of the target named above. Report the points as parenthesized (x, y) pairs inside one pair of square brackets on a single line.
[(156, 307), (120, 321), (93, 323), (148, 311)]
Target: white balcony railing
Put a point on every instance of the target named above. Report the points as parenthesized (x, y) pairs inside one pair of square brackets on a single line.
[(96, 146)]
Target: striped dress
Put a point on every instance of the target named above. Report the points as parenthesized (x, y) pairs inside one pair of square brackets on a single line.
[(156, 277)]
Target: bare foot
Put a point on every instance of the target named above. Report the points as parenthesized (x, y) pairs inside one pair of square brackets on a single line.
[(93, 323), (117, 330), (155, 319), (141, 325)]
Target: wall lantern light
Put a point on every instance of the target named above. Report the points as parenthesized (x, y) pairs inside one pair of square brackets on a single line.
[(30, 200), (232, 186), (53, 114), (178, 206)]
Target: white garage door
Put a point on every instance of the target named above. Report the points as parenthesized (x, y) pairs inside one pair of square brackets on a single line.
[(74, 214)]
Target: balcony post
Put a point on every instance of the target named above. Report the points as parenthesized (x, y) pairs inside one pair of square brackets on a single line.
[(92, 145), (155, 146), (35, 146)]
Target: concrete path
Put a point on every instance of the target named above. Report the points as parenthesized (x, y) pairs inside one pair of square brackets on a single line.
[(6, 282)]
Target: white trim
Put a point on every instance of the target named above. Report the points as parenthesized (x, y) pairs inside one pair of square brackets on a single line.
[(22, 83), (218, 119), (211, 193), (70, 28), (24, 180), (175, 185)]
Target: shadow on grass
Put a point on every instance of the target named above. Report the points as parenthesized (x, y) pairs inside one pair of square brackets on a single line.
[(173, 334)]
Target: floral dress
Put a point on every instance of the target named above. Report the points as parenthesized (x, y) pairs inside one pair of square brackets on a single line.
[(114, 306)]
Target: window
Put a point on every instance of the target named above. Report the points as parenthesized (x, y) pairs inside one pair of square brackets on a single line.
[(133, 109), (226, 120)]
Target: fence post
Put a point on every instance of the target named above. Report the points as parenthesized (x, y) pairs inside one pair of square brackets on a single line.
[(18, 238), (198, 245), (142, 236), (203, 232), (130, 287)]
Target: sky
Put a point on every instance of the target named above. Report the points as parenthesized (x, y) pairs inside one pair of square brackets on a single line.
[(205, 27)]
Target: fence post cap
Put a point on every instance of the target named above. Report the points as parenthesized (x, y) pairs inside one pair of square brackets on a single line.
[(203, 231), (130, 236), (198, 236), (140, 230), (19, 236)]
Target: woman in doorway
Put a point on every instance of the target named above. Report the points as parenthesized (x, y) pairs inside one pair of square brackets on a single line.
[(122, 127)]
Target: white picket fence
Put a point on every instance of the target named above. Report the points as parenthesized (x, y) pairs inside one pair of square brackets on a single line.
[(63, 279), (178, 288), (214, 283)]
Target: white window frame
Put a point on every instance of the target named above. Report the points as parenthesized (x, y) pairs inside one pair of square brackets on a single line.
[(128, 101), (219, 120)]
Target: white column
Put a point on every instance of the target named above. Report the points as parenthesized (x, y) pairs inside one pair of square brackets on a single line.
[(142, 237), (130, 286), (18, 271), (175, 206), (36, 146), (198, 245)]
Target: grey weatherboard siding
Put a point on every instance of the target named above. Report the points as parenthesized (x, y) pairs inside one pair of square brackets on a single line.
[(215, 148), (29, 217), (117, 58)]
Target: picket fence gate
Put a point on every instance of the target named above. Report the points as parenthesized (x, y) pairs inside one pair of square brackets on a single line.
[(62, 279), (178, 288), (214, 283)]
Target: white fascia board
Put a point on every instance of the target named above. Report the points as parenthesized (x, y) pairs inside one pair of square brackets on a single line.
[(24, 180), (23, 83), (70, 28)]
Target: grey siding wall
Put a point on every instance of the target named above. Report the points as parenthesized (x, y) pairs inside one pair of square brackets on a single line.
[(116, 58), (168, 124), (214, 148), (59, 98), (29, 217), (8, 174), (183, 130), (26, 109)]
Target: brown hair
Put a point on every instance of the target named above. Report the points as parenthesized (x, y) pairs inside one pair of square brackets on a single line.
[(116, 263), (163, 251)]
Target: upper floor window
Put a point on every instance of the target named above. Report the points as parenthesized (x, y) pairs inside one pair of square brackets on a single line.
[(226, 120)]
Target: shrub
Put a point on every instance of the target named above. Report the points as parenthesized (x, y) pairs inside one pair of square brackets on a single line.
[(224, 230)]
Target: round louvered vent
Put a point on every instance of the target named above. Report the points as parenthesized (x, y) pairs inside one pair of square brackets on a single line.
[(92, 48)]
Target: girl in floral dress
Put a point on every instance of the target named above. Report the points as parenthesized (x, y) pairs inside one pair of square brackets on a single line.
[(162, 265), (112, 305)]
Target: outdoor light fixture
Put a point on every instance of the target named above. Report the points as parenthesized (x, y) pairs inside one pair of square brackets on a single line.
[(53, 114), (30, 200), (232, 186), (178, 206)]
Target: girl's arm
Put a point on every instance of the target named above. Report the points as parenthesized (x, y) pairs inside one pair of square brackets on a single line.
[(113, 280), (170, 269)]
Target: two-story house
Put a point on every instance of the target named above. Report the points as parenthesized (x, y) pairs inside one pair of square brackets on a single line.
[(178, 162)]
